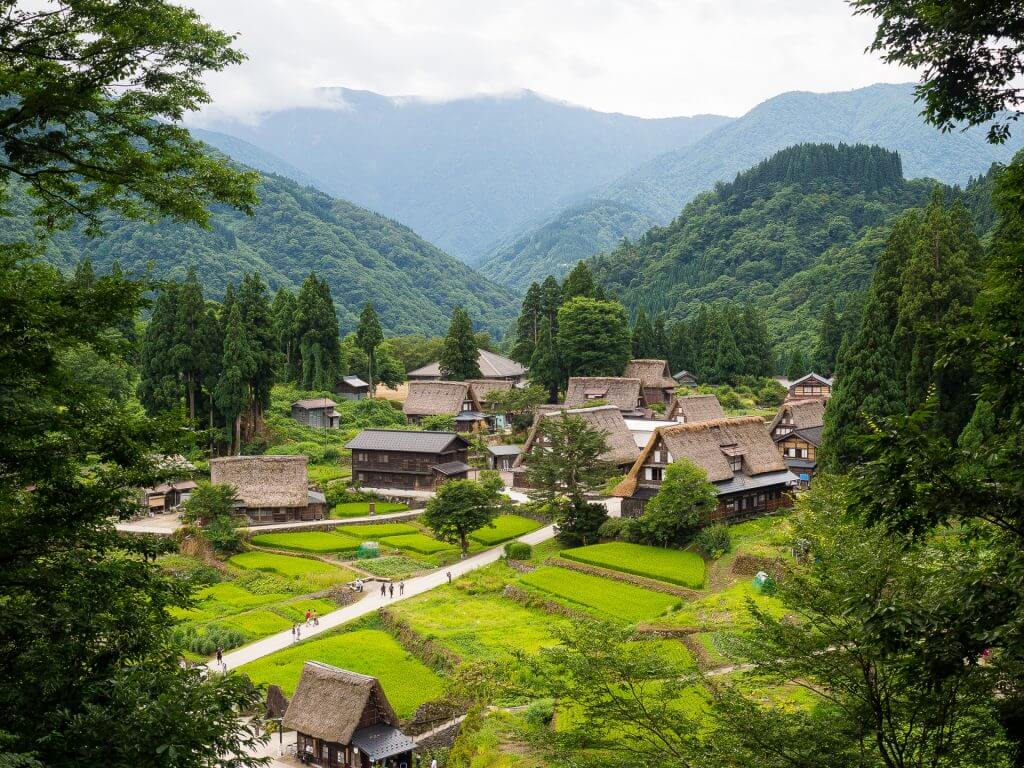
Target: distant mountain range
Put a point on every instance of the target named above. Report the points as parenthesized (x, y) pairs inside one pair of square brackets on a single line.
[(464, 174), (295, 229), (885, 115)]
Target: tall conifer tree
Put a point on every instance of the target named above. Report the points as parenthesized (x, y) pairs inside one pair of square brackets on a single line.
[(319, 345), (459, 355), (369, 335), (544, 368), (830, 337), (528, 325), (579, 282), (643, 336), (233, 391)]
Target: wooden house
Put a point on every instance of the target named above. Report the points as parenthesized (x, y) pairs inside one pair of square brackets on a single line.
[(352, 388), (397, 458), (342, 718), (624, 394), (657, 387), (810, 386), (796, 430), (270, 489), (168, 496), (496, 418), (694, 408), (738, 455), (445, 398), (502, 457), (685, 379), (492, 366), (621, 448), (316, 412)]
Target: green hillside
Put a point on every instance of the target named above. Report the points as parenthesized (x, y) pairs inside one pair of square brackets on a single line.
[(362, 255), (557, 246), (797, 228)]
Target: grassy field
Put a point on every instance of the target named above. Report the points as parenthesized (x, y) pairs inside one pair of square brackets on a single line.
[(377, 530), (362, 508), (316, 572), (505, 527), (406, 681), (612, 599), (308, 541), (393, 566), (478, 626), (675, 566), (727, 609), (418, 542)]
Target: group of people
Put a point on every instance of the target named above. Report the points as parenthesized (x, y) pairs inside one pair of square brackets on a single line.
[(312, 620), (388, 588)]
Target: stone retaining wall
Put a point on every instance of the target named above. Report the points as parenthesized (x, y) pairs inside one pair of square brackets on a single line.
[(330, 525), (429, 652), (666, 632), (629, 578), (523, 566), (530, 600)]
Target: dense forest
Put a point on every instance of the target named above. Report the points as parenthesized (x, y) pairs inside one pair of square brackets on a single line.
[(362, 256), (803, 226)]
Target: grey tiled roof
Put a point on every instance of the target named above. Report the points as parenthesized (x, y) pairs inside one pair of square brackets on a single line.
[(811, 434), (492, 366), (747, 483), (403, 440), (505, 450), (382, 741), (450, 468)]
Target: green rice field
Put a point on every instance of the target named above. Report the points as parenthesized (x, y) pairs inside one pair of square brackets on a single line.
[(362, 508), (286, 565), (407, 682), (505, 527), (612, 599), (307, 541), (674, 566), (375, 531), (418, 542)]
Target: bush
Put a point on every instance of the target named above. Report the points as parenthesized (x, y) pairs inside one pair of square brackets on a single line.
[(518, 550), (207, 641), (540, 713), (714, 540), (223, 536), (613, 529)]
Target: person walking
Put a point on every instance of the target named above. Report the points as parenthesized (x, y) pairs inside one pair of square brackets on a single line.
[(391, 589), (298, 631), (449, 581), (316, 618), (433, 760), (401, 588), (309, 617), (383, 589), (293, 632), (220, 656)]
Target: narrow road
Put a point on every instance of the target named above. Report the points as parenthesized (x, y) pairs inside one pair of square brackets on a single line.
[(166, 525), (373, 600)]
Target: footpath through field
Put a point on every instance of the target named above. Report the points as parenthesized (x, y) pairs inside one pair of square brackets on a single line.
[(165, 525), (373, 600)]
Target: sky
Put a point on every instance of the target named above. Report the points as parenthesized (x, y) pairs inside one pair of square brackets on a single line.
[(651, 58)]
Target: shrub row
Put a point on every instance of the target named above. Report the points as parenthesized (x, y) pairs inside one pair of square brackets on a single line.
[(530, 600)]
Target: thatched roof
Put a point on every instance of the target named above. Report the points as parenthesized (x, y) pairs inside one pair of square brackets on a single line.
[(606, 418), (329, 703), (263, 481), (492, 366), (617, 391), (709, 445), (483, 387), (694, 408), (431, 398), (653, 373), (277, 702), (805, 413)]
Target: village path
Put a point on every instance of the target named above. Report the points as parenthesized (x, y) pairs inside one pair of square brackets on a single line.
[(165, 525), (373, 600)]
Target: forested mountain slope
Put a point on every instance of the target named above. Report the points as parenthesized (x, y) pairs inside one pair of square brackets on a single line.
[(885, 115), (362, 255), (798, 228), (463, 173)]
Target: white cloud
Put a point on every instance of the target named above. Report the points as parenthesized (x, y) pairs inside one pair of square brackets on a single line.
[(653, 58)]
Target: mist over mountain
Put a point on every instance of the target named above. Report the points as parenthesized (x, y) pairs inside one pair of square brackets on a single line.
[(883, 115), (464, 174)]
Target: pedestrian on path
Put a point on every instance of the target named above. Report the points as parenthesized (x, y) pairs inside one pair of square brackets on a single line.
[(298, 631), (309, 617), (293, 632), (383, 589), (316, 618), (433, 761), (449, 581), (391, 589), (401, 588)]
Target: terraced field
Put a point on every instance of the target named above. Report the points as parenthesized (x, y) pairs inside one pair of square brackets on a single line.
[(674, 566), (602, 597)]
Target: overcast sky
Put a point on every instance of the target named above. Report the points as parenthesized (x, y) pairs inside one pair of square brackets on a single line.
[(653, 58)]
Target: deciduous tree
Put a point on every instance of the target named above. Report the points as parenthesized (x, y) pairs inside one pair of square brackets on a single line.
[(682, 503), (459, 508), (593, 338)]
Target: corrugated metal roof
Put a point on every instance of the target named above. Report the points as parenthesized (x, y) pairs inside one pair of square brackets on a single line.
[(450, 468), (492, 366), (505, 450), (403, 440), (382, 741), (747, 483), (315, 402)]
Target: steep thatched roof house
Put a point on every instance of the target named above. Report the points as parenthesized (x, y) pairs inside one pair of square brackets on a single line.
[(492, 366), (656, 383), (623, 393), (738, 456), (269, 488), (344, 718), (694, 408), (622, 449), (444, 398), (796, 430)]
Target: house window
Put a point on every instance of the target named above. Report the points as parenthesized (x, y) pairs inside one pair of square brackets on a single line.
[(383, 458), (362, 457), (654, 473), (736, 463)]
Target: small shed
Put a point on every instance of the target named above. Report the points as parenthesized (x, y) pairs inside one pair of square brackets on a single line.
[(685, 379), (502, 457), (352, 388), (344, 718), (316, 412)]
